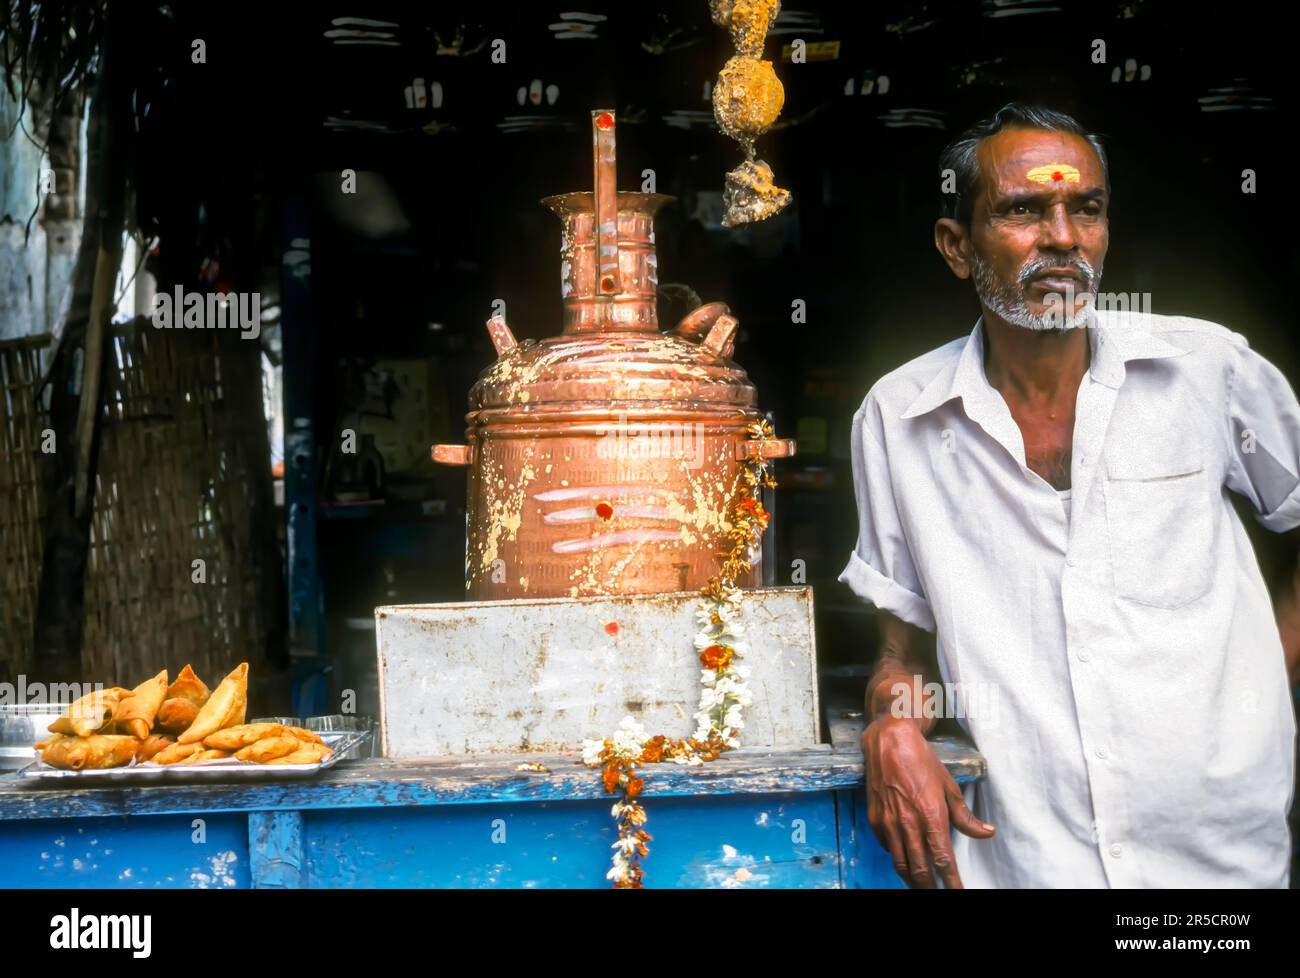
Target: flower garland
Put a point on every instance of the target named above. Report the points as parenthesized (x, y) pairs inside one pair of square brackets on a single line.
[(723, 694)]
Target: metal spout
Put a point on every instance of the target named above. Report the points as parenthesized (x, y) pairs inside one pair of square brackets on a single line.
[(604, 165), (608, 268)]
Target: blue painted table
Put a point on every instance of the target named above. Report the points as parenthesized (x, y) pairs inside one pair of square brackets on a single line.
[(752, 818)]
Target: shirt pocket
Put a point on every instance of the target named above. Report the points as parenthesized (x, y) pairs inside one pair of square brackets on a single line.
[(1160, 524)]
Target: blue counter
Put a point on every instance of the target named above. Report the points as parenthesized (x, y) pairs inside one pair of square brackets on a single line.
[(753, 818)]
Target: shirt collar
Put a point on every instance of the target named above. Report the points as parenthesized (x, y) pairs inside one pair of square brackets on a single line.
[(1116, 339)]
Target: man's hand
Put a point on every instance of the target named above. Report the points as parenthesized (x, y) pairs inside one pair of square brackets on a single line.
[(912, 801)]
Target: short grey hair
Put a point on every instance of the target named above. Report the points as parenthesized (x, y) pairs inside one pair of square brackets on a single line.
[(959, 156)]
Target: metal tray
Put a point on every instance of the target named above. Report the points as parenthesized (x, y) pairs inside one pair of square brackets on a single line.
[(221, 769)]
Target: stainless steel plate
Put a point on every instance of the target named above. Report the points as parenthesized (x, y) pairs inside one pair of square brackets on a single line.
[(223, 769)]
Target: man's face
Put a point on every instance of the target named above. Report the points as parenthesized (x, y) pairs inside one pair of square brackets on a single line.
[(1039, 231)]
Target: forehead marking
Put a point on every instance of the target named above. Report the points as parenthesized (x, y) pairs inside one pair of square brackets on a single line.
[(1053, 173)]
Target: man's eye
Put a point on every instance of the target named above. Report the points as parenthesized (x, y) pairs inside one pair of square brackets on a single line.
[(1019, 209)]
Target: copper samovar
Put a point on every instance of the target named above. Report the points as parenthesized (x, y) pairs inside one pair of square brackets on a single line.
[(604, 460)]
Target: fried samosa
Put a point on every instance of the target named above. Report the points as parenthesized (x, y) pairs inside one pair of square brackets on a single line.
[(205, 755), (307, 736), (268, 748), (89, 753), (305, 754), (190, 687), (91, 713), (184, 699), (233, 738), (176, 715), (135, 714), (151, 747), (173, 753), (224, 708)]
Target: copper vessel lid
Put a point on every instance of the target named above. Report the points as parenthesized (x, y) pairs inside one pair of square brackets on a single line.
[(616, 370), (612, 355)]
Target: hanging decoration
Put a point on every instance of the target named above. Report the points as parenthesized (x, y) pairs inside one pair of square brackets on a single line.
[(724, 694), (747, 99)]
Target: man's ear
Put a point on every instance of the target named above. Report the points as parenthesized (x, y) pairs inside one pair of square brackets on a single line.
[(953, 242)]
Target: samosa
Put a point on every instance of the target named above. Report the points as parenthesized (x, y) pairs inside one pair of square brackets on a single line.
[(210, 754), (184, 699), (156, 743), (87, 753), (268, 748), (225, 707), (233, 738), (135, 714), (173, 753), (305, 754), (91, 713), (304, 735)]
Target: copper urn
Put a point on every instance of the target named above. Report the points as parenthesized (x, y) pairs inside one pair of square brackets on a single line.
[(604, 460)]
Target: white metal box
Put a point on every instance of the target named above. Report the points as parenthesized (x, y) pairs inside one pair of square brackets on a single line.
[(542, 675)]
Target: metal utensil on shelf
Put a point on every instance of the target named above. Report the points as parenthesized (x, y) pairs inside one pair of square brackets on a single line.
[(21, 727), (338, 722)]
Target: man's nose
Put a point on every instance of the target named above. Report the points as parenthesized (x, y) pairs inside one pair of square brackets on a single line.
[(1058, 230)]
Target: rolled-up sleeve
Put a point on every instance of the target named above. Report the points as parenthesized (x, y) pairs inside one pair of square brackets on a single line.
[(881, 568), (1264, 429)]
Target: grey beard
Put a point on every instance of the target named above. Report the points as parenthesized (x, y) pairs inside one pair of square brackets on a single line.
[(1008, 301)]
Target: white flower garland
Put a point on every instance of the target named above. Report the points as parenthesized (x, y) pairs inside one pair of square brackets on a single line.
[(724, 693)]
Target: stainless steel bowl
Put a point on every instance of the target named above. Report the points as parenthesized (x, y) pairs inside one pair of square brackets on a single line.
[(21, 727)]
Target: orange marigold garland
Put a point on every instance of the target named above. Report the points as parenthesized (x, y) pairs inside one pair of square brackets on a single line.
[(723, 695)]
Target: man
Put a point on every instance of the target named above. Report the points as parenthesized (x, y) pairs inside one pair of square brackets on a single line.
[(1047, 496)]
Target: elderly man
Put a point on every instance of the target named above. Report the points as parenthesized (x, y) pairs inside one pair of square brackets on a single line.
[(1047, 496)]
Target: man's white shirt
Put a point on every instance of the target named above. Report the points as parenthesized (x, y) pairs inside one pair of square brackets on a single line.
[(1117, 650)]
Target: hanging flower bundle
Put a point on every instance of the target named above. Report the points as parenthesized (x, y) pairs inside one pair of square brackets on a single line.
[(724, 694)]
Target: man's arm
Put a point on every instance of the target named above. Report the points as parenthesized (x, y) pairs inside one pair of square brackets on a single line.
[(912, 800), (1264, 466), (1287, 609), (906, 657)]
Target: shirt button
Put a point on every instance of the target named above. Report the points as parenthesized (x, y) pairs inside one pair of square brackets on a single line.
[(1085, 656), (1103, 753), (1071, 560), (1116, 850)]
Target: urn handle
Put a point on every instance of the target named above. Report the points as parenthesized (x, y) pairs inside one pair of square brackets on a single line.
[(502, 339), (721, 338), (766, 448), (696, 323), (451, 454), (712, 326)]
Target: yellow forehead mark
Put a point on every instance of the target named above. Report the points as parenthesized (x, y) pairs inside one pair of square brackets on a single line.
[(1054, 173)]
